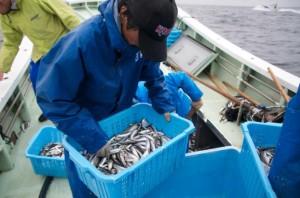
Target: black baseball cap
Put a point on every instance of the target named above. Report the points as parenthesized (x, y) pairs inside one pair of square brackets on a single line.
[(155, 19)]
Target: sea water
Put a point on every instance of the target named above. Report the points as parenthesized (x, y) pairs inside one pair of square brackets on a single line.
[(273, 36)]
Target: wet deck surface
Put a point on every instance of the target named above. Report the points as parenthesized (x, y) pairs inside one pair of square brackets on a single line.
[(213, 103), (21, 181)]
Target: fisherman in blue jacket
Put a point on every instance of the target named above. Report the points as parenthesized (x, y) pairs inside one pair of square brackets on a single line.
[(185, 94), (93, 72)]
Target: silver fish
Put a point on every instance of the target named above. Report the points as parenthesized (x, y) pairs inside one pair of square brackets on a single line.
[(136, 142)]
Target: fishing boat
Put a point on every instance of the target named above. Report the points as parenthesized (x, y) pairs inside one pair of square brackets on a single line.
[(221, 69), (272, 7)]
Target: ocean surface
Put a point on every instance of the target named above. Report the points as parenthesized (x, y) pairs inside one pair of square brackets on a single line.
[(273, 36)]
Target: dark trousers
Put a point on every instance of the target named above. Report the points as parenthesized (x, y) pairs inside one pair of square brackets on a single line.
[(78, 188)]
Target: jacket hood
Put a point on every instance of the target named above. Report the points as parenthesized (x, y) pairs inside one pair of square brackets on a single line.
[(116, 38)]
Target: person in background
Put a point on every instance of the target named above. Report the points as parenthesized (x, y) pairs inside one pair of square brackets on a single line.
[(1, 38), (93, 72), (184, 92), (44, 22)]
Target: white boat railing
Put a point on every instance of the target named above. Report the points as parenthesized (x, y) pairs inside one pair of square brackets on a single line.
[(12, 98), (18, 69)]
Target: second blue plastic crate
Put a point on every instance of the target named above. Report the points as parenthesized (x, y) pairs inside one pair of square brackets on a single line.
[(42, 165)]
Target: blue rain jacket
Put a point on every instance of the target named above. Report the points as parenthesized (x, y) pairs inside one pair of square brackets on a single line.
[(284, 173), (181, 88), (91, 74)]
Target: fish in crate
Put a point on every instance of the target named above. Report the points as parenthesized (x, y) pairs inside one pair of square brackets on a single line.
[(125, 149), (53, 149)]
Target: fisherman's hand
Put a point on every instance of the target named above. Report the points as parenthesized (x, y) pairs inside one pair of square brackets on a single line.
[(167, 116), (104, 151), (198, 104)]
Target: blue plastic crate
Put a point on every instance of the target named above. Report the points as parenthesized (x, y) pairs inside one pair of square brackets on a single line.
[(48, 166), (211, 173), (217, 172), (148, 172), (258, 135)]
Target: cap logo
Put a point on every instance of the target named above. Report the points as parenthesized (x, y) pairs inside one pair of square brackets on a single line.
[(162, 31)]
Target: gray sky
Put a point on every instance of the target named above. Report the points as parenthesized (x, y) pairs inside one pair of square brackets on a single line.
[(281, 3)]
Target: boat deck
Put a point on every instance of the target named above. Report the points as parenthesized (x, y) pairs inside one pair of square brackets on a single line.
[(21, 181), (229, 133)]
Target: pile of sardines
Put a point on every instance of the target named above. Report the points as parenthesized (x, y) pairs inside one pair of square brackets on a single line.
[(53, 149), (125, 149), (266, 156)]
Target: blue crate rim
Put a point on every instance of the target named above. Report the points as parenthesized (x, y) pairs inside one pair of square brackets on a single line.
[(44, 157), (147, 105), (213, 150)]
